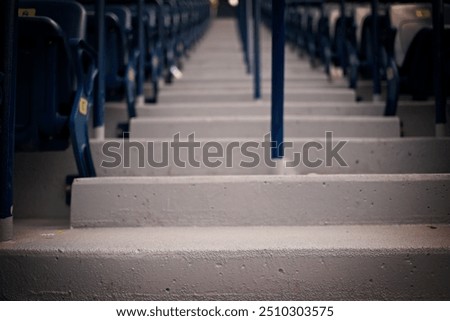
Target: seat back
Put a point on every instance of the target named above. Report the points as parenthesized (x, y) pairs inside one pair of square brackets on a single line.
[(408, 20), (360, 14), (46, 76), (116, 47), (56, 70), (45, 85), (68, 14)]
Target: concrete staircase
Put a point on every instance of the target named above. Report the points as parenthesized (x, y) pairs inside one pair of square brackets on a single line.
[(374, 228)]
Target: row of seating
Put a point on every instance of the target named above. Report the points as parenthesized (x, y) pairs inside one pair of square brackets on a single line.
[(57, 64), (340, 34)]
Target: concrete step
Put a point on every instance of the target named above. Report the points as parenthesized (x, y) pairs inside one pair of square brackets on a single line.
[(297, 94), (409, 262), (196, 84), (220, 56), (257, 108), (265, 77), (357, 156), (239, 70), (237, 96), (258, 127), (39, 189), (116, 113), (234, 66), (261, 200)]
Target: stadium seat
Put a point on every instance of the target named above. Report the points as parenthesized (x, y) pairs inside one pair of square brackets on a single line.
[(56, 71), (120, 62)]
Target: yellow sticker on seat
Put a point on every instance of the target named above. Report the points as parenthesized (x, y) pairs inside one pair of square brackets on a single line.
[(83, 106), (27, 12), (423, 13)]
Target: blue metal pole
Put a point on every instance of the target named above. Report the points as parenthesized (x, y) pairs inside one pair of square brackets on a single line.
[(240, 23), (342, 50), (375, 52), (141, 62), (99, 98), (249, 31), (256, 49), (439, 67), (242, 15), (245, 34), (278, 35), (8, 20)]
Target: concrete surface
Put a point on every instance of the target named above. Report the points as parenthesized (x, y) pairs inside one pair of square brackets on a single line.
[(261, 200), (116, 112), (258, 127), (257, 109), (348, 236), (362, 155), (408, 262), (247, 83), (237, 96), (296, 94)]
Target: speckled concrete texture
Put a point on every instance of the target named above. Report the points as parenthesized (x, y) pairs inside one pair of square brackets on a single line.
[(377, 229), (222, 263), (261, 200), (362, 155), (258, 127)]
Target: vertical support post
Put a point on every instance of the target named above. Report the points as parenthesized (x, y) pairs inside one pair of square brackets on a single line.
[(256, 49), (248, 19), (342, 51), (239, 15), (140, 100), (99, 98), (278, 35), (375, 53), (8, 19), (245, 34), (439, 67)]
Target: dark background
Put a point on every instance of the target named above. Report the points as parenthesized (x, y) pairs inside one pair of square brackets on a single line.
[(225, 10)]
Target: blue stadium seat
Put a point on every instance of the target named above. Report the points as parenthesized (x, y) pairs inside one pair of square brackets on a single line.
[(409, 67), (55, 76), (120, 62), (154, 45)]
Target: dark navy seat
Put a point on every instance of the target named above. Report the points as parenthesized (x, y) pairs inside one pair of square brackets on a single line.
[(314, 16), (409, 68), (154, 45), (169, 40), (56, 70), (120, 61)]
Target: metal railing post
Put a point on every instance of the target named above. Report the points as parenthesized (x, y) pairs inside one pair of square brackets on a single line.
[(99, 97), (245, 34), (375, 53), (342, 50), (278, 36), (256, 49), (249, 25), (439, 67), (140, 100)]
